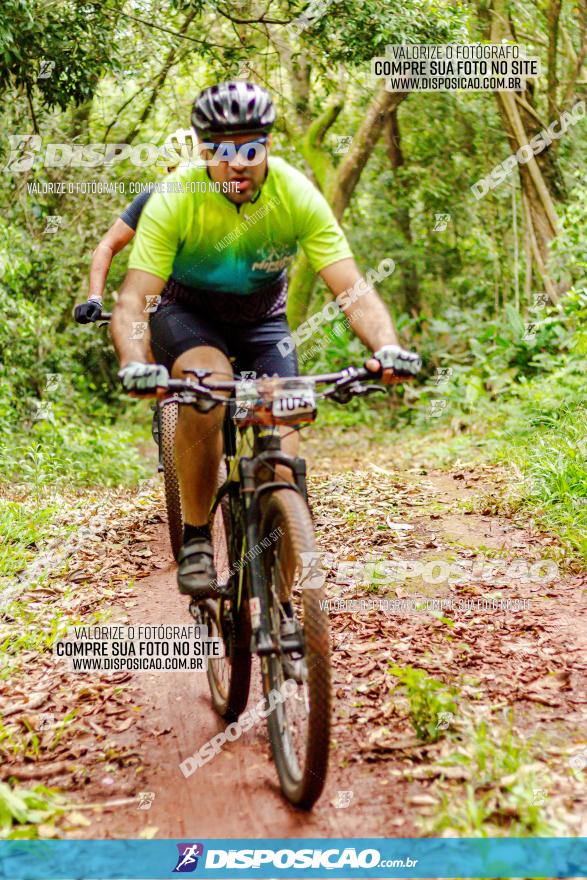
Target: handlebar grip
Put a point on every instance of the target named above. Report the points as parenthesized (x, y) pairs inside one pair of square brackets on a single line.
[(402, 362)]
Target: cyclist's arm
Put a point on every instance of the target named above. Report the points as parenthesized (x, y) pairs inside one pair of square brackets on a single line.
[(131, 310), (329, 254), (364, 308), (117, 237)]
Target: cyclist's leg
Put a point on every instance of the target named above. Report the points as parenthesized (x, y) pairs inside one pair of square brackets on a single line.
[(198, 439), (183, 340)]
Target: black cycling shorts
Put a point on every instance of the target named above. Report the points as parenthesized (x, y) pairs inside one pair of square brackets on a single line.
[(175, 329)]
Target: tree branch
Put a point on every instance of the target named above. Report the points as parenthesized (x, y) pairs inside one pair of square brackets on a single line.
[(350, 169), (311, 144), (261, 20), (552, 18), (579, 59), (160, 81), (31, 107), (182, 36), (529, 109)]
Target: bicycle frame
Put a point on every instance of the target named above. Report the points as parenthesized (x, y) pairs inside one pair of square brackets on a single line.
[(246, 489), (245, 504)]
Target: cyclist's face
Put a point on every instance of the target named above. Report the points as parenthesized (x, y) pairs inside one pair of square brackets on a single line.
[(243, 178)]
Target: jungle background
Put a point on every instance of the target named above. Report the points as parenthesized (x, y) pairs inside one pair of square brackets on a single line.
[(492, 292)]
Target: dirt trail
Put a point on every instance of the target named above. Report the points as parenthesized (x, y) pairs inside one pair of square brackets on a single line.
[(383, 780), (234, 795)]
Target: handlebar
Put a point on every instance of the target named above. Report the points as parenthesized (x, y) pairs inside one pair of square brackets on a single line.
[(345, 384), (103, 318)]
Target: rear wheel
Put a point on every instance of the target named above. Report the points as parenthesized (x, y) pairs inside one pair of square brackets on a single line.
[(298, 719), (229, 677), (168, 424)]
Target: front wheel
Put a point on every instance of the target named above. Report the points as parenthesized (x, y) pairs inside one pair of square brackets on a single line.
[(296, 682), (168, 415)]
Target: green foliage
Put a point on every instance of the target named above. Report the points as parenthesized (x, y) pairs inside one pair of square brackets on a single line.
[(59, 398), (550, 449), (22, 810), (353, 33), (501, 798), (23, 525), (62, 453), (428, 699), (569, 252), (76, 39)]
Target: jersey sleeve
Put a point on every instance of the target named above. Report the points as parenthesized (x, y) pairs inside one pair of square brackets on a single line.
[(317, 230), (132, 212), (157, 238)]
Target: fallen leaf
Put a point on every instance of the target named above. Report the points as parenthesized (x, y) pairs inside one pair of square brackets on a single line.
[(422, 800), (78, 819), (148, 832), (47, 832)]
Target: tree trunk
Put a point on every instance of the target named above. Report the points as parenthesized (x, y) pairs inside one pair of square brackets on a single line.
[(339, 186), (80, 119), (576, 60), (302, 282), (407, 263), (350, 169), (539, 207)]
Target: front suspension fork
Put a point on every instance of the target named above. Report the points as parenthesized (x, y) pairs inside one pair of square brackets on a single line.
[(262, 642)]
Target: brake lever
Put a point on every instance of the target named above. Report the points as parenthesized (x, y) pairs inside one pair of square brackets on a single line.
[(363, 390), (341, 395), (355, 389)]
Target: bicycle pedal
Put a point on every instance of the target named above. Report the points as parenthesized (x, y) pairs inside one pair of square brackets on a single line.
[(293, 644), (262, 644), (294, 669), (291, 639)]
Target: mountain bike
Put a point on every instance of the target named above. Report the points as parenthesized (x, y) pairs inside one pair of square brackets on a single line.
[(269, 581)]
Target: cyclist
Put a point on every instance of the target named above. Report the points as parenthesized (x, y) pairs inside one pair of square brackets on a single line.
[(219, 259), (118, 236), (116, 239)]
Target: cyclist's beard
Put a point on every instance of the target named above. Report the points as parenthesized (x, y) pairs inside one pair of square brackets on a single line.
[(244, 187)]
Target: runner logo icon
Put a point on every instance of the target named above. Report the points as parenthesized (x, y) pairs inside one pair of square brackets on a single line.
[(187, 860)]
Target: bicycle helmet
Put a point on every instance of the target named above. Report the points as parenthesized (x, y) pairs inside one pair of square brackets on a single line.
[(235, 107)]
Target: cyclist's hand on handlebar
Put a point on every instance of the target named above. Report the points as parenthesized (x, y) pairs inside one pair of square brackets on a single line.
[(143, 379), (394, 364), (88, 312)]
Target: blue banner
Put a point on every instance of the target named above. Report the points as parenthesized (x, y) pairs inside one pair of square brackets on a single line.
[(262, 858)]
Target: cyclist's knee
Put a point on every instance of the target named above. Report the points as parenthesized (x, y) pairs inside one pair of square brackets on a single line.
[(202, 357), (199, 423)]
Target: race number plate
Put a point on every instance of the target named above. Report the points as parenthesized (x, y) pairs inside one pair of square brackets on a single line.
[(294, 403)]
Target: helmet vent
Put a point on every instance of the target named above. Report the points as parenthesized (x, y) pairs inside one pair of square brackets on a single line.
[(233, 108)]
